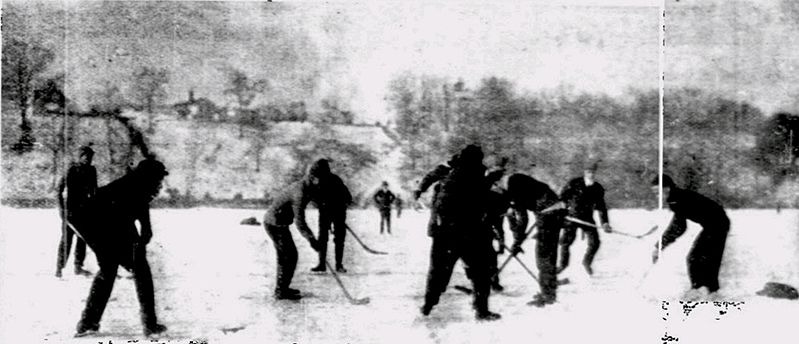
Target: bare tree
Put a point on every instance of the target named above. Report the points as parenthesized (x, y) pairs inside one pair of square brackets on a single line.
[(23, 62), (148, 89), (245, 90)]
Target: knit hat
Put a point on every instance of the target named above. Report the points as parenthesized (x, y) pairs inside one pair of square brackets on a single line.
[(667, 181), (319, 168)]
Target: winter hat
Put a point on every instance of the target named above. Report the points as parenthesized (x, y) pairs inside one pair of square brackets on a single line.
[(667, 181), (86, 150), (471, 154), (319, 168), (151, 167)]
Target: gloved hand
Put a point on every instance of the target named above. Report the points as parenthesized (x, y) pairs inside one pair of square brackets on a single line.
[(606, 227), (501, 249), (416, 195), (655, 255), (516, 248)]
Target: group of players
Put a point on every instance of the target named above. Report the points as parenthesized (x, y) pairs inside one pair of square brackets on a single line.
[(468, 208)]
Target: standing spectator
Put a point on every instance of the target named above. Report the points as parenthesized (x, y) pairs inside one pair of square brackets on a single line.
[(80, 184), (383, 199)]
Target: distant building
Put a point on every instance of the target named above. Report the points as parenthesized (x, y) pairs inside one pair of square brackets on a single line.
[(201, 109)]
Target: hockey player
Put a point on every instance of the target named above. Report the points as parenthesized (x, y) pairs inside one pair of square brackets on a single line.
[(287, 208), (704, 259), (384, 198), (583, 196), (460, 232), (80, 184), (112, 234), (527, 193), (334, 198)]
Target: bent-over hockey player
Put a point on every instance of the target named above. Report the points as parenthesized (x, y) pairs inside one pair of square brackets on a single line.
[(704, 259), (112, 234), (527, 193), (287, 208)]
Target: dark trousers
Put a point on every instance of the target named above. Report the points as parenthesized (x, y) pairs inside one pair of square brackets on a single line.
[(546, 253), (336, 219), (567, 239), (704, 259), (445, 252), (104, 282), (65, 244), (385, 219), (286, 255)]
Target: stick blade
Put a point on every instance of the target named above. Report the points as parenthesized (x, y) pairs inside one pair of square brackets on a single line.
[(363, 301), (463, 289)]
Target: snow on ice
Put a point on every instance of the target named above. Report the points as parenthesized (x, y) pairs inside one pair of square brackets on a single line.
[(214, 280)]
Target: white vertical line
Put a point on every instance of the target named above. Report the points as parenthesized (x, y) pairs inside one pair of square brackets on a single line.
[(661, 67)]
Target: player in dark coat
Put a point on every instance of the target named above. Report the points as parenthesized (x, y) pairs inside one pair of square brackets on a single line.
[(527, 193), (383, 199), (80, 184), (583, 196), (461, 232), (498, 204), (287, 208), (704, 259), (334, 197), (112, 234)]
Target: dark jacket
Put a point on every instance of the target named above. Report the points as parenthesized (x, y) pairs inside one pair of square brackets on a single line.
[(333, 194), (689, 205), (527, 193), (289, 207), (384, 199), (461, 200), (111, 230), (80, 183), (582, 200)]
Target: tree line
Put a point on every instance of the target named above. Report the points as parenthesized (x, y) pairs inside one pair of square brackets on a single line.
[(717, 145)]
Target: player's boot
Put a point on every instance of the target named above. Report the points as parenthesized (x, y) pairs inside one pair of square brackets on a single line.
[(341, 269), (540, 300), (319, 268), (588, 269), (58, 273), (81, 272), (287, 294), (495, 286), (486, 315), (86, 330), (426, 309), (154, 329)]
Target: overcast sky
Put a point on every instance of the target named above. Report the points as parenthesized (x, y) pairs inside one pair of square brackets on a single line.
[(351, 50)]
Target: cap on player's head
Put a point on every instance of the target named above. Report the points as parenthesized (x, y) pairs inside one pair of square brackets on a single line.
[(86, 151), (667, 181), (319, 168)]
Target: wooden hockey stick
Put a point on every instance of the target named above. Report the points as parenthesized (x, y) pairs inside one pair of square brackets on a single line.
[(352, 300), (586, 223), (367, 248)]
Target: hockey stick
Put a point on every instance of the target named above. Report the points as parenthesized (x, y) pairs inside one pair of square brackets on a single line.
[(468, 290), (586, 223), (352, 300), (367, 248)]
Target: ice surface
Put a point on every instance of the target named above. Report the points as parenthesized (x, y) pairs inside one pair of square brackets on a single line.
[(214, 280)]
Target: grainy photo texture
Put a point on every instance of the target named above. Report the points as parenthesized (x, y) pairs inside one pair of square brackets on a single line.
[(399, 171)]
